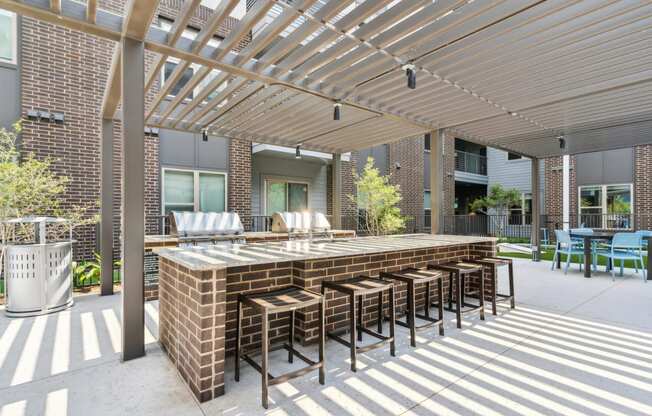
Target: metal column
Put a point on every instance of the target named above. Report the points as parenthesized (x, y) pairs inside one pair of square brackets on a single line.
[(436, 179), (133, 199), (337, 191), (106, 208), (536, 212)]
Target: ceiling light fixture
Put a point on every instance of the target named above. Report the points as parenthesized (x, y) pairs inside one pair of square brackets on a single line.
[(297, 152), (336, 111), (204, 136), (411, 73), (562, 142)]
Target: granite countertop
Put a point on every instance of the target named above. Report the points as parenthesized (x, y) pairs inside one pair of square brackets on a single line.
[(216, 257), (152, 240)]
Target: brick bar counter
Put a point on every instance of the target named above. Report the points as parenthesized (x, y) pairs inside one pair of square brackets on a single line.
[(198, 288), (154, 243)]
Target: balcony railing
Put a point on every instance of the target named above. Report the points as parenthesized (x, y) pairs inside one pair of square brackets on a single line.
[(470, 162)]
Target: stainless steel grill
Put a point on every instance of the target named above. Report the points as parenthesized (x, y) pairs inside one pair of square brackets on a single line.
[(195, 228), (301, 224)]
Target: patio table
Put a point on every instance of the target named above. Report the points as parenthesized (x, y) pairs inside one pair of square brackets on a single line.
[(603, 236)]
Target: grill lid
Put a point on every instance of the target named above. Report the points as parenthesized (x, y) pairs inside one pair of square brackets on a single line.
[(283, 222), (187, 224)]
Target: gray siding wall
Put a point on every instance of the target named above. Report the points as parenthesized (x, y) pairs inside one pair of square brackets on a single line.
[(380, 155), (604, 168), (515, 174), (313, 172), (189, 151)]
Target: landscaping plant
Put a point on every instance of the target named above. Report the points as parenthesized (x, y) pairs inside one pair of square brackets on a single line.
[(377, 201), (498, 202)]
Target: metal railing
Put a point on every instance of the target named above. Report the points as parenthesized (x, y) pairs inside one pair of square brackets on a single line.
[(470, 162), (519, 227)]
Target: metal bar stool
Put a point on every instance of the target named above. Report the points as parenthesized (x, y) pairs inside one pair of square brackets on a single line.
[(356, 288), (412, 277), (286, 299), (494, 263), (458, 273)]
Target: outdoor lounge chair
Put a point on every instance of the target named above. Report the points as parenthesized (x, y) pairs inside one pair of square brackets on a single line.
[(624, 246)]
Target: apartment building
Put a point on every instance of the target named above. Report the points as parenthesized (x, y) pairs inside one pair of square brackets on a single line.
[(58, 97)]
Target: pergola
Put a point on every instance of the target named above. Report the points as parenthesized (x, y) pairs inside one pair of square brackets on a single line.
[(534, 77)]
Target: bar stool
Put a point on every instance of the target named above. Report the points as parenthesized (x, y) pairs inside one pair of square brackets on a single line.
[(356, 288), (412, 277), (286, 299), (458, 273), (494, 263)]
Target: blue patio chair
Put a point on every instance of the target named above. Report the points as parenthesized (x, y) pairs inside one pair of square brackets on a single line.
[(644, 243), (567, 246), (624, 246), (580, 242), (545, 241)]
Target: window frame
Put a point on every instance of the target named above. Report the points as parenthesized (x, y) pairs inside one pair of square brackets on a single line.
[(525, 196), (287, 196), (604, 206), (14, 39), (195, 184)]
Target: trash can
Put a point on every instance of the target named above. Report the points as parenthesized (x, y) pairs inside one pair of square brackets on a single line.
[(38, 273)]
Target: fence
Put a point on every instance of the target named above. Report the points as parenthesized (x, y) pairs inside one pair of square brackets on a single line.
[(470, 162), (519, 226)]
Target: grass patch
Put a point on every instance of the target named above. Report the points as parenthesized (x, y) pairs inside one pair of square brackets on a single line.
[(549, 254)]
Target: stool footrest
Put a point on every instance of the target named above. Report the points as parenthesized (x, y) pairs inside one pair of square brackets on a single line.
[(466, 308), (312, 365), (383, 340)]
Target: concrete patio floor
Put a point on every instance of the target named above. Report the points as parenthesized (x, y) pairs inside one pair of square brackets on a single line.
[(572, 346)]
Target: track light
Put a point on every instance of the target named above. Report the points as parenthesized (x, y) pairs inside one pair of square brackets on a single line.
[(411, 73), (297, 152), (204, 136), (562, 142), (336, 111)]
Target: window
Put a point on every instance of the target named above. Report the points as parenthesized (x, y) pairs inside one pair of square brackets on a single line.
[(606, 206), (426, 141), (513, 156), (188, 190), (281, 196), (521, 215), (8, 45), (169, 68), (426, 200), (171, 63)]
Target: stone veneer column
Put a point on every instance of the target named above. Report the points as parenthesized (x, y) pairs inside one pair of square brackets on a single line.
[(192, 318)]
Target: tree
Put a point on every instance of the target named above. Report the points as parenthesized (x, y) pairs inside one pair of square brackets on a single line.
[(28, 187), (377, 200), (499, 201)]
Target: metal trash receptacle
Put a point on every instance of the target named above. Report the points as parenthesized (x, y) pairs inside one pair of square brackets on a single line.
[(38, 276)]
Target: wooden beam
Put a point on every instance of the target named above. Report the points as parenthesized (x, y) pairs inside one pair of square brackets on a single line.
[(133, 198), (106, 208), (111, 99), (140, 14), (91, 11), (55, 6), (536, 212)]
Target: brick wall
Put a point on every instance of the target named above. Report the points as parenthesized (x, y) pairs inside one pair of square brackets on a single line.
[(65, 71), (348, 188), (643, 185), (448, 204), (239, 187), (410, 178)]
